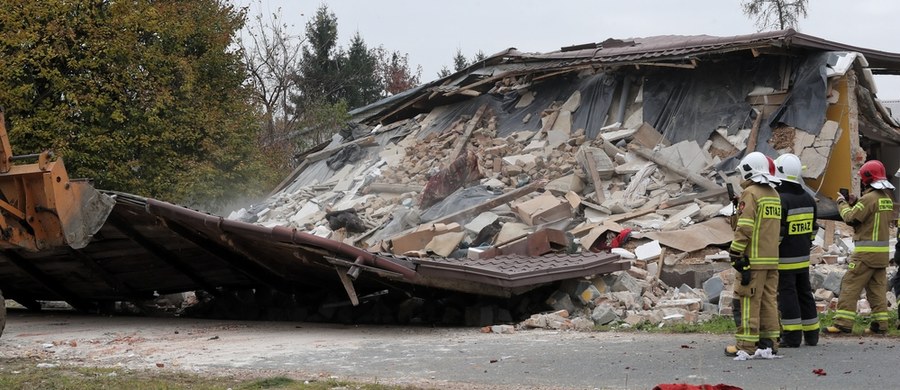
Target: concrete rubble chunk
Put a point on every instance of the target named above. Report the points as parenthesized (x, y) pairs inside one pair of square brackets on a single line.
[(586, 292), (525, 99), (572, 102), (833, 281), (714, 287), (650, 250), (563, 123), (677, 221), (559, 300), (604, 314), (482, 220), (625, 253)]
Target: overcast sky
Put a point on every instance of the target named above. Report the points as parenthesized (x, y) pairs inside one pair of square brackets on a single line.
[(431, 31)]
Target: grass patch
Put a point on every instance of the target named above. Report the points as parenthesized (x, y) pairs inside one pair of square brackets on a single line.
[(25, 374)]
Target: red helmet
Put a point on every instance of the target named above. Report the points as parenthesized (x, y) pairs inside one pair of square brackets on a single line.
[(872, 171)]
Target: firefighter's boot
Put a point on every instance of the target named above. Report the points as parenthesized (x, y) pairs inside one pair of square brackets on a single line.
[(791, 339), (811, 337)]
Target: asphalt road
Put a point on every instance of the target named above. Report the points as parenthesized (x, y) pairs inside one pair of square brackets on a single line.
[(441, 357)]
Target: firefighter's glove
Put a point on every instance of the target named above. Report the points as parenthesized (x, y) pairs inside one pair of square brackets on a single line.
[(739, 262), (745, 276)]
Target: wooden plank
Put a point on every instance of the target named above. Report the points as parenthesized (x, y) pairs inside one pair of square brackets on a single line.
[(463, 140), (630, 215), (648, 137), (473, 211), (690, 198), (754, 133), (485, 206), (673, 167), (661, 262), (365, 141), (393, 188), (595, 176)]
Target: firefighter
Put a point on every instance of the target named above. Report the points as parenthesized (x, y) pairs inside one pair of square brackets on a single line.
[(870, 217), (799, 319), (754, 254)]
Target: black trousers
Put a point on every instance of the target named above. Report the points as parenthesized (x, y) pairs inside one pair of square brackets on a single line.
[(797, 307)]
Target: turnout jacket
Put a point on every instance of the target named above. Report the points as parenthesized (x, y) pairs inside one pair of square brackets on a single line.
[(758, 225), (798, 226), (870, 218)]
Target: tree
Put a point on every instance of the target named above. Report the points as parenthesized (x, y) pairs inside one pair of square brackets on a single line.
[(272, 58), (142, 96), (444, 72), (480, 56), (362, 80), (398, 77), (779, 14), (459, 61), (319, 76)]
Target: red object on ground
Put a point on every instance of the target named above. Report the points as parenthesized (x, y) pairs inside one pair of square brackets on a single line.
[(820, 372), (685, 386)]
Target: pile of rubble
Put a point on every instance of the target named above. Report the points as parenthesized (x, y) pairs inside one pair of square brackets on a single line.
[(634, 297), (419, 189)]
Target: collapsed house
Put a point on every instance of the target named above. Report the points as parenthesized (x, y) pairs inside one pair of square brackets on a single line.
[(585, 181), (535, 154)]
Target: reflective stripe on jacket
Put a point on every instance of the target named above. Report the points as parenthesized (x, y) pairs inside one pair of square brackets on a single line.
[(758, 225), (798, 226), (870, 218)]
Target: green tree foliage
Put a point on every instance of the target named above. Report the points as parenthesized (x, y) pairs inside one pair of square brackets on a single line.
[(775, 14), (143, 96), (459, 61), (362, 80), (320, 74), (480, 56), (444, 72)]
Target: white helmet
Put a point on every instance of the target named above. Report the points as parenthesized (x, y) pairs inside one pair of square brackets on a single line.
[(758, 168), (788, 167)]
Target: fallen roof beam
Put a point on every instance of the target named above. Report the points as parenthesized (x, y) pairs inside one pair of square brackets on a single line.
[(163, 254), (54, 286), (463, 140), (247, 265), (111, 280)]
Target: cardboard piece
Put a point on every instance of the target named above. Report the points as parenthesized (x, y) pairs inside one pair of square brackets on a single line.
[(421, 237), (716, 231), (542, 209)]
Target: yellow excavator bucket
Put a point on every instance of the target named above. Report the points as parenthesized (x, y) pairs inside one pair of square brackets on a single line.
[(41, 207)]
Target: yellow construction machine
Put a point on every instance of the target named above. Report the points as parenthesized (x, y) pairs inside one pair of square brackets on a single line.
[(41, 208)]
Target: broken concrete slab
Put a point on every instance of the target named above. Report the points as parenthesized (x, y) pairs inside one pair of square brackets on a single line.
[(525, 99), (650, 250), (677, 220), (482, 220), (616, 135), (563, 123), (572, 102)]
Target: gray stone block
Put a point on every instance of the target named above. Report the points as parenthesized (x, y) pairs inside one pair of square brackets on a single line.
[(833, 281), (604, 314), (713, 287)]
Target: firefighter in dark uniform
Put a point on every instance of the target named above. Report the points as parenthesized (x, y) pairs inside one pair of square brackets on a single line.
[(799, 319), (870, 217), (754, 254)]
